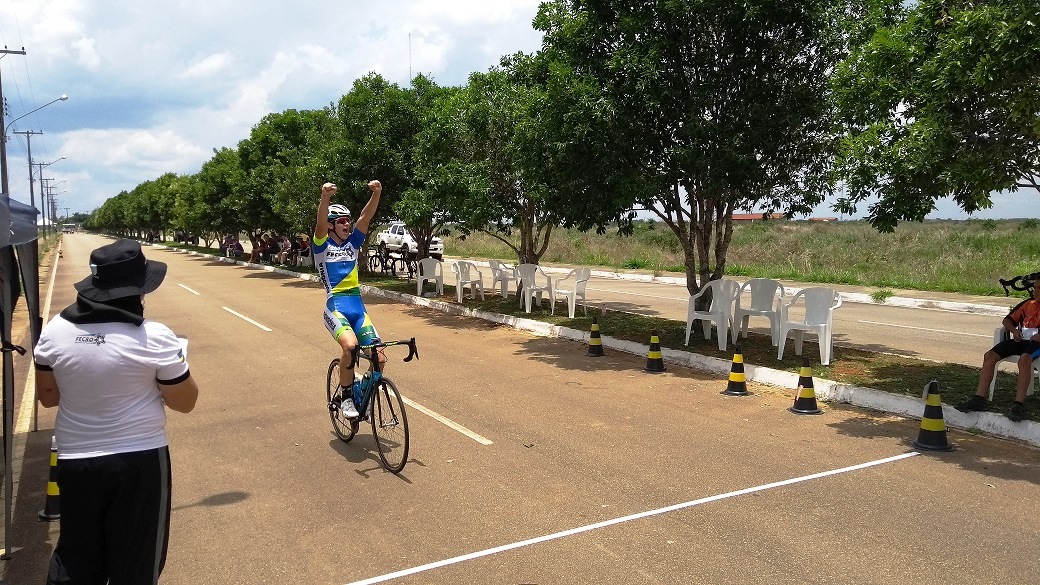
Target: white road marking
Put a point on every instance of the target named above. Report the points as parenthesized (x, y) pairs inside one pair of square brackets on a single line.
[(448, 422), (640, 515), (632, 294), (194, 292), (926, 329), (243, 317)]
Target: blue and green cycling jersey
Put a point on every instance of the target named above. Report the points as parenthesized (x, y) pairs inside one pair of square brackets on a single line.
[(337, 263)]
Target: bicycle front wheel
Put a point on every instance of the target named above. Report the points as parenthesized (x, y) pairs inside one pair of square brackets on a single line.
[(344, 428), (390, 425)]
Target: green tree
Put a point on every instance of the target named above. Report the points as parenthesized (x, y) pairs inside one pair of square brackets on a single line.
[(942, 103), (693, 109), (498, 190)]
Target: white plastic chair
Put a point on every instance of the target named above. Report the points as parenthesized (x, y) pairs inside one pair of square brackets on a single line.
[(720, 312), (1000, 335), (501, 275), (572, 286), (430, 269), (765, 302), (819, 304), (528, 276), (464, 277)]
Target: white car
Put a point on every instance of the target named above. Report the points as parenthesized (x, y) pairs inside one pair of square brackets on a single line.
[(397, 239)]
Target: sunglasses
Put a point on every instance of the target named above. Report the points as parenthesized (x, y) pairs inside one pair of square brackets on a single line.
[(344, 220)]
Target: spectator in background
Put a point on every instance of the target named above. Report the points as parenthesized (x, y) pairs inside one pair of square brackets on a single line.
[(271, 249), (1023, 339), (256, 255), (110, 372)]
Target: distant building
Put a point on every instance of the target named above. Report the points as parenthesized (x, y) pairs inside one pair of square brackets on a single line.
[(756, 216)]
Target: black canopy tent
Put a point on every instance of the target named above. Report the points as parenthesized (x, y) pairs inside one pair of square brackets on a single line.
[(19, 256)]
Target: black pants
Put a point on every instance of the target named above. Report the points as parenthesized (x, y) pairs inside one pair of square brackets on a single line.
[(115, 519)]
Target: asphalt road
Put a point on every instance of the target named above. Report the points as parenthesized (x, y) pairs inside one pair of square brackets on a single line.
[(596, 471)]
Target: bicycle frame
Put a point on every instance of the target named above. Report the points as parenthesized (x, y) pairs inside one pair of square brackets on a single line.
[(370, 378)]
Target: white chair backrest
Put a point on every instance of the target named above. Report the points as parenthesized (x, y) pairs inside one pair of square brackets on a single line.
[(429, 267), (464, 269), (763, 293), (819, 304), (527, 272), (583, 275), (723, 295)]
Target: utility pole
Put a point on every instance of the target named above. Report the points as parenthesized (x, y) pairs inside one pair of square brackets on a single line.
[(28, 148), (3, 128)]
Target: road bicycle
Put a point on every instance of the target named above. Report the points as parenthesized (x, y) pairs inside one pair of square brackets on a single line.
[(400, 265), (377, 400), (1021, 283)]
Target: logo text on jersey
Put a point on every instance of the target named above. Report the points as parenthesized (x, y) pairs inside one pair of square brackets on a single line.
[(96, 339)]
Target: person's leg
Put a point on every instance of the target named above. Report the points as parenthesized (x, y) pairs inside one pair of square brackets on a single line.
[(1025, 372), (989, 366), (79, 556), (137, 526)]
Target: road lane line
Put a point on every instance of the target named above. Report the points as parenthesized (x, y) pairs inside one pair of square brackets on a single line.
[(448, 422), (632, 294), (926, 329), (640, 515), (194, 292), (243, 317)]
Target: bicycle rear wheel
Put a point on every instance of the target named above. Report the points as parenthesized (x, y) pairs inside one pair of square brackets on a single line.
[(344, 428), (390, 425)]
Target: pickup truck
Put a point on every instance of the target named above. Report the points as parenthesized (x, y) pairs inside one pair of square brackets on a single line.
[(397, 239)]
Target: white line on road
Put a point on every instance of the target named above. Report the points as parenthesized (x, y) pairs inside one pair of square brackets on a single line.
[(448, 422), (241, 316), (638, 516), (926, 329), (194, 292), (632, 294)]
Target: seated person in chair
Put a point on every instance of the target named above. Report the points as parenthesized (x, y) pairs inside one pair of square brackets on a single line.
[(1022, 324)]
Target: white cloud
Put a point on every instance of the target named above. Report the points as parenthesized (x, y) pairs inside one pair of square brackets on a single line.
[(208, 66)]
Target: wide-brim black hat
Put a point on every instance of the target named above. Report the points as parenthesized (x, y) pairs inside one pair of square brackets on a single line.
[(120, 270)]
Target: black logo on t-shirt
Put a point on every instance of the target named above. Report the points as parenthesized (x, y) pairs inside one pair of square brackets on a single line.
[(96, 339)]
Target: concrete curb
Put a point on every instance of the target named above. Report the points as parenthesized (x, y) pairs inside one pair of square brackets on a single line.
[(826, 390)]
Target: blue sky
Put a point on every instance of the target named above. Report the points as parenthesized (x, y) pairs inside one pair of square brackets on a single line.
[(154, 87)]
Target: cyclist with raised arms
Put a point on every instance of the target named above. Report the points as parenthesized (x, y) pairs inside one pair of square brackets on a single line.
[(336, 247)]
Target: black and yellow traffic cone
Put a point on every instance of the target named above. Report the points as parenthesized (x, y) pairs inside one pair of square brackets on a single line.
[(933, 428), (51, 509), (595, 342), (737, 385), (654, 361), (805, 400)]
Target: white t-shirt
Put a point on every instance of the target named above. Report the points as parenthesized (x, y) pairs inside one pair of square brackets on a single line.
[(107, 375)]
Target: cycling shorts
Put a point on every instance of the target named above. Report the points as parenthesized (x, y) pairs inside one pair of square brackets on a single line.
[(347, 313)]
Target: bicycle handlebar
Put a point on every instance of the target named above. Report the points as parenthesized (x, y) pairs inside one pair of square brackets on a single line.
[(1022, 282), (413, 350)]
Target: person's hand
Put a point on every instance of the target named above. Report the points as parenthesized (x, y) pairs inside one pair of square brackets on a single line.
[(1016, 334), (328, 189), (375, 187)]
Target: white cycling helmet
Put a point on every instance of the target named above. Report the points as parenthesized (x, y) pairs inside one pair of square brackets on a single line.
[(336, 211)]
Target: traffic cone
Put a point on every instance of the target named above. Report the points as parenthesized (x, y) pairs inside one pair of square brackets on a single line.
[(654, 361), (805, 400), (51, 509), (933, 428), (737, 385), (595, 342)]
